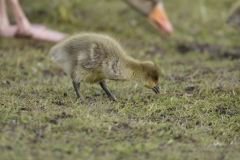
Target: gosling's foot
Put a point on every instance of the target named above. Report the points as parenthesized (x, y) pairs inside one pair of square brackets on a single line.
[(108, 92), (76, 86)]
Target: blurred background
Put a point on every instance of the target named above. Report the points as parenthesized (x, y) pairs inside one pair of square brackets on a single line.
[(202, 21)]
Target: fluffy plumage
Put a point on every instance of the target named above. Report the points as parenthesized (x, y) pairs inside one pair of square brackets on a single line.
[(92, 58)]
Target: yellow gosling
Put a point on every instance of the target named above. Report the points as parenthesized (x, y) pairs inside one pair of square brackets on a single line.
[(94, 58)]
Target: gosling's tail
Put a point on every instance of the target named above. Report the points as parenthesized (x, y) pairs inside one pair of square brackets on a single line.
[(57, 53), (62, 57)]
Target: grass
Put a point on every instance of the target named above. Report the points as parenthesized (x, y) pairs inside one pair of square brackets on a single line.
[(196, 116)]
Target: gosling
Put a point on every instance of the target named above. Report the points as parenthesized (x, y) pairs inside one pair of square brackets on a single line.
[(94, 58)]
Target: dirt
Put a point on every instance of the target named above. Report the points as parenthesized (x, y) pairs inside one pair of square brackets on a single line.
[(59, 103), (215, 50), (49, 73), (221, 109), (190, 89), (153, 50), (63, 115)]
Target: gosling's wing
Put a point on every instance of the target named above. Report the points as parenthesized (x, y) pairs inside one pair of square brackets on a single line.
[(110, 67), (115, 69), (97, 58), (94, 58)]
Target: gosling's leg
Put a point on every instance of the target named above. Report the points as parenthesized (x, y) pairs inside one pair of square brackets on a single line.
[(105, 88), (76, 88)]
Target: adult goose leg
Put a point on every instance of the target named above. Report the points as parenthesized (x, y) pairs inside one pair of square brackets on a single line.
[(6, 29), (25, 28)]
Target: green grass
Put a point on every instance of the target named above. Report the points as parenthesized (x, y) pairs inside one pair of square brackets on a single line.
[(196, 116)]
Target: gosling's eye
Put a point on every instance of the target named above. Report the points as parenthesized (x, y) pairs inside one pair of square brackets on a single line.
[(155, 78)]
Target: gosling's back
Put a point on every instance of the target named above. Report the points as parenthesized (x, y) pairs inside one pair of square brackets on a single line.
[(91, 57)]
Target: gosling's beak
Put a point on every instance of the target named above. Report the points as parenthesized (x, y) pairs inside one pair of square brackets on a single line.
[(156, 89), (159, 20)]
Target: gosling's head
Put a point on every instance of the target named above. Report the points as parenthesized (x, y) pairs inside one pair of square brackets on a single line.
[(151, 76)]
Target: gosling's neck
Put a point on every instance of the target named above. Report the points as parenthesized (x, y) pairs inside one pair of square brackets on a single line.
[(136, 68)]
